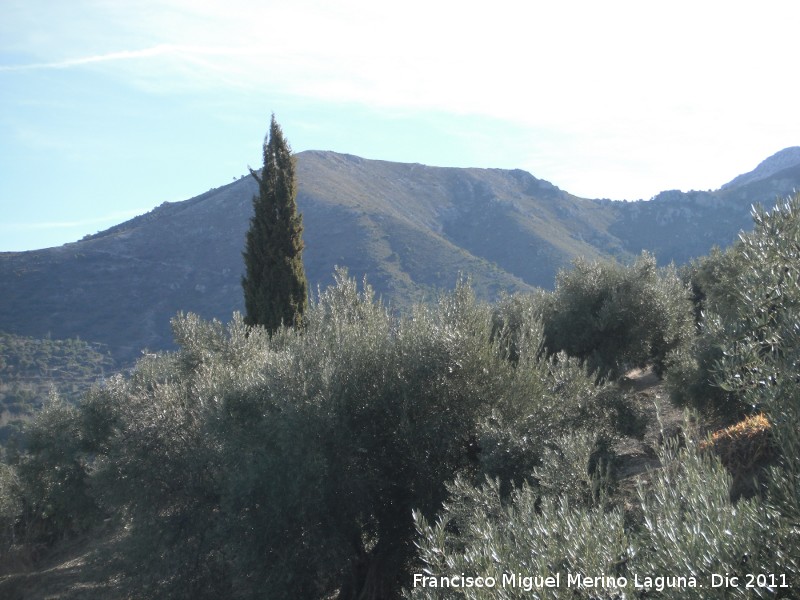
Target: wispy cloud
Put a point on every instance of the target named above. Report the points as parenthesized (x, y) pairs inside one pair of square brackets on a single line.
[(590, 86), (88, 60), (151, 52)]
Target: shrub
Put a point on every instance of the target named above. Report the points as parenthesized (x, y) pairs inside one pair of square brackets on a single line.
[(712, 280), (615, 317), (511, 315), (479, 535), (292, 462), (690, 526), (749, 330), (551, 396), (756, 337), (687, 527), (691, 378), (10, 508), (54, 475), (783, 484)]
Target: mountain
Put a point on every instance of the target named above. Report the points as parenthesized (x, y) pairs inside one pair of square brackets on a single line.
[(30, 369), (409, 228), (780, 161), (678, 226)]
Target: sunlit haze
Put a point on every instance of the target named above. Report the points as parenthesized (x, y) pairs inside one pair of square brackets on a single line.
[(108, 109)]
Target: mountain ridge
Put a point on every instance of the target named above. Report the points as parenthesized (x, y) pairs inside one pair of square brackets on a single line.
[(409, 228), (781, 160)]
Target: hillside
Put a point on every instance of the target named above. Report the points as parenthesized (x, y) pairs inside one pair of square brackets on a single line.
[(408, 227), (374, 446), (30, 369)]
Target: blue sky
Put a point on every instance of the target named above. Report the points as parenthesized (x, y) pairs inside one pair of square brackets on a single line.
[(109, 108)]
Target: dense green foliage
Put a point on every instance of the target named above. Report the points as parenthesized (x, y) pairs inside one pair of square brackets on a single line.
[(617, 317), (750, 300), (55, 471), (760, 366), (685, 522), (275, 288), (31, 368), (712, 280), (342, 458), (294, 461), (686, 526)]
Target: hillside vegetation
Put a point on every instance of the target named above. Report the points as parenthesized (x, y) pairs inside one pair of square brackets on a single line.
[(409, 228), (31, 369), (375, 454)]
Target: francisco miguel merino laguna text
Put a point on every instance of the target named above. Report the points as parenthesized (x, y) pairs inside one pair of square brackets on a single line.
[(572, 580)]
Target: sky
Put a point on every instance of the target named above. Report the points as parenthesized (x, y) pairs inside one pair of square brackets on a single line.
[(109, 108)]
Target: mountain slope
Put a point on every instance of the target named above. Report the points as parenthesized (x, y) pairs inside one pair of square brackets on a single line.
[(678, 226), (409, 228), (785, 159)]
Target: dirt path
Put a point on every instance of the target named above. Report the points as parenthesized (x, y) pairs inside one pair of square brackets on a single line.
[(664, 421), (80, 569)]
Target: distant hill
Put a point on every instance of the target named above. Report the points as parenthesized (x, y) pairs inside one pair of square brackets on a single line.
[(678, 226), (780, 161), (408, 227), (30, 369)]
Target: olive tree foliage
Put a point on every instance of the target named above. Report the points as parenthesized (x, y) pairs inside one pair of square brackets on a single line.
[(50, 482), (11, 508), (760, 365), (615, 317), (686, 525), (691, 526), (748, 334), (518, 433), (288, 464), (761, 337), (712, 280), (747, 358), (481, 535), (684, 521)]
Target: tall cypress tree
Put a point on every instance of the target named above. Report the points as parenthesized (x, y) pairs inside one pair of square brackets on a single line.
[(275, 287)]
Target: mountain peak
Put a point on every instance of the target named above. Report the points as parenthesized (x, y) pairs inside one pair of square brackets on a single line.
[(785, 159), (409, 228)]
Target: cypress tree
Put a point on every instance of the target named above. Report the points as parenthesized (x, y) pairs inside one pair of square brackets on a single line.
[(274, 284)]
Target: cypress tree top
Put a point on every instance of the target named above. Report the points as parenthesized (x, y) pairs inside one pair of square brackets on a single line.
[(274, 284)]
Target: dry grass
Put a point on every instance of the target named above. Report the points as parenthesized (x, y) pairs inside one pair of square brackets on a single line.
[(746, 449)]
